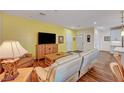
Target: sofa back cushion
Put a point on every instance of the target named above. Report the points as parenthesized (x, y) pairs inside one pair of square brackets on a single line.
[(66, 59), (89, 58)]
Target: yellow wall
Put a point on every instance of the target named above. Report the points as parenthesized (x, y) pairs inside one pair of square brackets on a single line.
[(26, 31), (0, 29)]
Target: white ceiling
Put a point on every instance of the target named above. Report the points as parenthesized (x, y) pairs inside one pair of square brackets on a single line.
[(73, 18)]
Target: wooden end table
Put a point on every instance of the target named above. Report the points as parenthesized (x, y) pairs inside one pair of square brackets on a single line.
[(24, 75)]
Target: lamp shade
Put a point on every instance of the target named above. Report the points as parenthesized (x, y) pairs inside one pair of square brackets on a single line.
[(11, 49)]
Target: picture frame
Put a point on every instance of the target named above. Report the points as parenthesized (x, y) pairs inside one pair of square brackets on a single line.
[(88, 38), (107, 38), (60, 39)]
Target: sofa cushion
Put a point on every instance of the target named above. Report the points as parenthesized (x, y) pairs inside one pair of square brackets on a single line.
[(87, 52), (66, 59)]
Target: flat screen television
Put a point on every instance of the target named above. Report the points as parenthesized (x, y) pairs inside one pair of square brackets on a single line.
[(46, 38)]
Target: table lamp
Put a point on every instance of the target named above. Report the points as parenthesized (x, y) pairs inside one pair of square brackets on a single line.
[(10, 53)]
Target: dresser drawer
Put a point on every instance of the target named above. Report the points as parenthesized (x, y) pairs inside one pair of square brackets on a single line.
[(40, 51), (55, 48), (48, 49)]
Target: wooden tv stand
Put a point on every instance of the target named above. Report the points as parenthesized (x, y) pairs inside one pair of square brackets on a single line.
[(44, 49)]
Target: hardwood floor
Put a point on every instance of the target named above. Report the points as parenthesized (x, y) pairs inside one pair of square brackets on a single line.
[(101, 71)]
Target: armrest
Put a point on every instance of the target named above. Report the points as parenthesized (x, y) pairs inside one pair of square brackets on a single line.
[(42, 73)]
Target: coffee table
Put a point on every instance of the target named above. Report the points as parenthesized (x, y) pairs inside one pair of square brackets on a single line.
[(51, 58)]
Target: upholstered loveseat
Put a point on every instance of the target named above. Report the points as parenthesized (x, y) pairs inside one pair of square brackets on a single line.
[(64, 69), (69, 68)]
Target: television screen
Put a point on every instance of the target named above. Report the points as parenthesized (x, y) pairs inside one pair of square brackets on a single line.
[(46, 38)]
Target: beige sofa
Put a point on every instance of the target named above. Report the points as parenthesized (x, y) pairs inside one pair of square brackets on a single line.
[(69, 68), (64, 69)]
